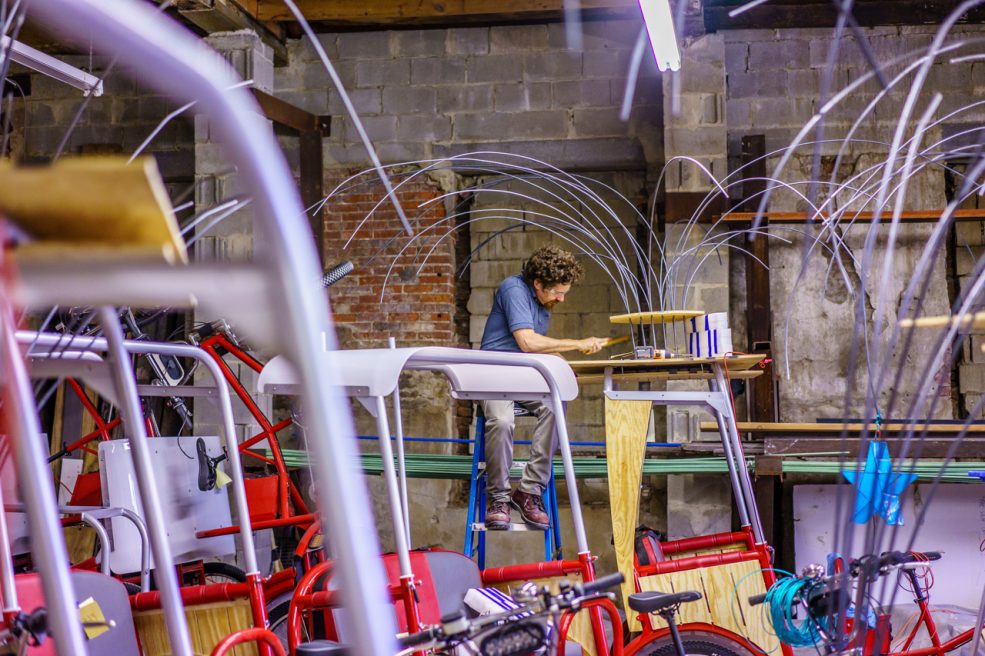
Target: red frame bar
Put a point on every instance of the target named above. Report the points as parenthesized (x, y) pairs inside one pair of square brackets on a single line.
[(708, 542), (267, 639)]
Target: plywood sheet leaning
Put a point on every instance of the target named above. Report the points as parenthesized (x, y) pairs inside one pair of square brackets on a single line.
[(92, 207), (207, 624), (726, 590), (626, 423)]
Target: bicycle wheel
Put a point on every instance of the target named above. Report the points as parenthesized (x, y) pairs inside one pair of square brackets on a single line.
[(696, 643), (216, 572)]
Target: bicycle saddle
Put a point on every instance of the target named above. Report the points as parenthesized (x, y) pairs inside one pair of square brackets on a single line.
[(207, 476), (321, 648), (658, 602)]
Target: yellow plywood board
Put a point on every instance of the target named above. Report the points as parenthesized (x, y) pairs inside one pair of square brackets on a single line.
[(637, 318), (635, 377), (92, 207), (207, 625), (725, 590), (626, 424)]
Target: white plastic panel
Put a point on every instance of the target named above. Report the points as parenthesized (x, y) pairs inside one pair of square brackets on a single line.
[(187, 509)]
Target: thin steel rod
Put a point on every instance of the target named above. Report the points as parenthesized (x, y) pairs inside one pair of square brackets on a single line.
[(398, 430), (392, 488)]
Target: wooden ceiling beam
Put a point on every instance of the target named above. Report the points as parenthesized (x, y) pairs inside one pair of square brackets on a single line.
[(339, 14), (777, 14)]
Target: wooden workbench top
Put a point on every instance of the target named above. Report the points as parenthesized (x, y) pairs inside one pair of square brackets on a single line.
[(675, 368), (836, 428)]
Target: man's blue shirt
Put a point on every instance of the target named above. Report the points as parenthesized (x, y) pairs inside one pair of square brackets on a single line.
[(515, 306)]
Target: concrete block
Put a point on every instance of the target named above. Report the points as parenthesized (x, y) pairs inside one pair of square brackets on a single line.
[(39, 114), (599, 122), (365, 101), (804, 83), (437, 70), (402, 152), (780, 54), (467, 98), (408, 100), (424, 127), (510, 39), (520, 125), (757, 84), (552, 66), (736, 56), (966, 257), (976, 342), (419, 43), (336, 155), (380, 72), (378, 128), (467, 41), (971, 378), (522, 97), (365, 45), (582, 93), (738, 113), (596, 154), (606, 64), (480, 300), (696, 141), (969, 233), (315, 101), (496, 68)]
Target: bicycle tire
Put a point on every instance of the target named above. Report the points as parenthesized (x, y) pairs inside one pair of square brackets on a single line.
[(696, 643), (218, 572)]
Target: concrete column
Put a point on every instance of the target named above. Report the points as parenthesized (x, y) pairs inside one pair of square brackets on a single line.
[(695, 127)]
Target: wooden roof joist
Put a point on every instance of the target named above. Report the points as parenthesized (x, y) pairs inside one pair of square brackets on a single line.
[(449, 13)]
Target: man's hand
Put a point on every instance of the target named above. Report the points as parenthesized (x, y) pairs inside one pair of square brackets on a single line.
[(591, 345)]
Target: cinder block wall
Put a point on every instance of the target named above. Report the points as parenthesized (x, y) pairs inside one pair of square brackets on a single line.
[(773, 83)]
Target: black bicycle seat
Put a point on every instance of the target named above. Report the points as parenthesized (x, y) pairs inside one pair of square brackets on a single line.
[(206, 468), (321, 648), (658, 602)]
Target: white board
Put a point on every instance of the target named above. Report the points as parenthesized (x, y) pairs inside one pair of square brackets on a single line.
[(187, 509), (954, 524)]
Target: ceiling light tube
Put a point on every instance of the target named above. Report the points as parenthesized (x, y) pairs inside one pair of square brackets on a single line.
[(38, 61), (660, 27)]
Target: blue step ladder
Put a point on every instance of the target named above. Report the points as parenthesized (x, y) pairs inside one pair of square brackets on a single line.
[(475, 526)]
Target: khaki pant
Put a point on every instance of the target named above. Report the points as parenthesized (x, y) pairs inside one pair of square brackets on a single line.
[(499, 449)]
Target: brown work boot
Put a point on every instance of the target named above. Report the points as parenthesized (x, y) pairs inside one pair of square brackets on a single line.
[(498, 516), (531, 508)]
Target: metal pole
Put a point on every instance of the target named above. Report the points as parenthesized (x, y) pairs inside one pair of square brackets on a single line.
[(126, 391), (390, 478), (739, 457), (398, 429), (740, 501), (103, 537), (47, 539), (8, 590)]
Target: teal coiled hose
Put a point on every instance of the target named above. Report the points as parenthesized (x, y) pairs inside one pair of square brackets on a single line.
[(783, 598)]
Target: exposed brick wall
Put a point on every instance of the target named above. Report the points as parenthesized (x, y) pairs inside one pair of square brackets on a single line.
[(417, 307)]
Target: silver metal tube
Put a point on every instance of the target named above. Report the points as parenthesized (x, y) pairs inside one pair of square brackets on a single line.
[(47, 539), (398, 431), (126, 391), (740, 460), (103, 538), (392, 491), (144, 547), (733, 474)]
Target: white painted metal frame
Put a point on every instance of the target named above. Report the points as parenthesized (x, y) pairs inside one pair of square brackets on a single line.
[(718, 401)]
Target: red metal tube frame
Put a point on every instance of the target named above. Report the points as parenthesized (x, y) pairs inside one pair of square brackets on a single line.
[(708, 541), (264, 636)]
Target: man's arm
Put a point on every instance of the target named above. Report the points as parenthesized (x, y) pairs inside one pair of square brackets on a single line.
[(532, 342)]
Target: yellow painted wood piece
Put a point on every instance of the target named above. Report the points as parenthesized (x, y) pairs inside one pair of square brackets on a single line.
[(735, 364), (794, 427), (612, 341), (92, 207), (637, 318), (726, 590), (207, 624), (626, 423), (965, 321)]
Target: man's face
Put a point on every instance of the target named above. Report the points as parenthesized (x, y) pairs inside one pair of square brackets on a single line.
[(550, 296)]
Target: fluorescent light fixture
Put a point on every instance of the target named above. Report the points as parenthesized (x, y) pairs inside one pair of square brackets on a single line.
[(38, 61), (660, 27)]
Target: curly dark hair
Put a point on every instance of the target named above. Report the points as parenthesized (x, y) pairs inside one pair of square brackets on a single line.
[(552, 266)]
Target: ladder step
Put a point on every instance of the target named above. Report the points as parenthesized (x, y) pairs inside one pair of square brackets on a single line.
[(515, 526)]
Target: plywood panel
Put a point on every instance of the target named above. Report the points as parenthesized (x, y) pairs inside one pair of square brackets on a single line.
[(726, 590), (207, 624), (626, 423)]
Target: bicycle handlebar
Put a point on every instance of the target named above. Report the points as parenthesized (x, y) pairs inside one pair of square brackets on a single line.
[(600, 584)]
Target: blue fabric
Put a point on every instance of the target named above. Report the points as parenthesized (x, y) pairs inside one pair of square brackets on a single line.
[(515, 306)]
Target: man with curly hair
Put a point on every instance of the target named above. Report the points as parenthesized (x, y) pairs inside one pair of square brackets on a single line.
[(518, 321)]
